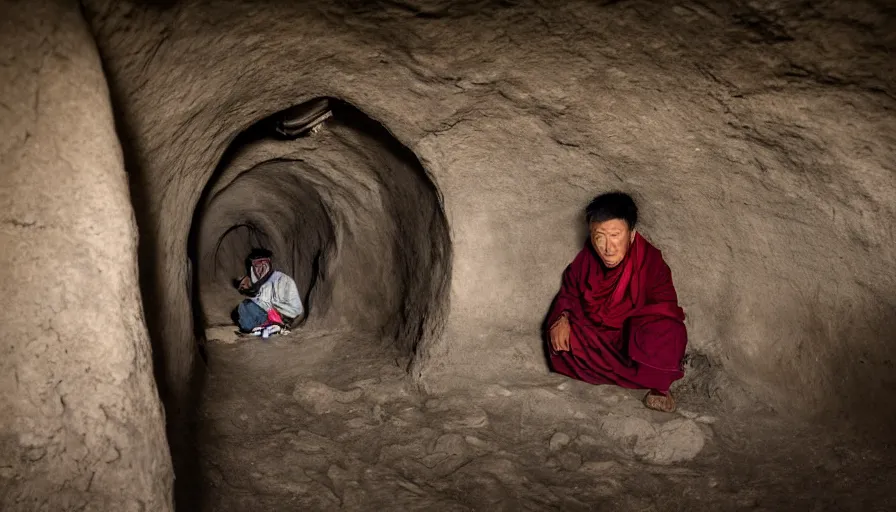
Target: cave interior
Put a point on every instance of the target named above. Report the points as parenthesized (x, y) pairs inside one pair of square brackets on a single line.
[(420, 169)]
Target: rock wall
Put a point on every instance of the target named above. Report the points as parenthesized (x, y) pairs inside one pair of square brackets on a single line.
[(758, 139), (81, 425)]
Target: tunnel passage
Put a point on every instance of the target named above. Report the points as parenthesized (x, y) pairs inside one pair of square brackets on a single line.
[(268, 206), (349, 213)]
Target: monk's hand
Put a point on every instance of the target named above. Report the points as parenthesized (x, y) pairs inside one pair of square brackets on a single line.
[(560, 334)]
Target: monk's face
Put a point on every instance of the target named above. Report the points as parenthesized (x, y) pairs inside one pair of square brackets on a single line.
[(611, 239)]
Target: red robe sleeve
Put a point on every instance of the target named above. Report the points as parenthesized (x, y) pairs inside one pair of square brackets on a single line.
[(660, 296), (660, 288), (569, 298)]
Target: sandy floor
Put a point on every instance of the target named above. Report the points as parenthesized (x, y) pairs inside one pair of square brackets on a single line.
[(319, 422)]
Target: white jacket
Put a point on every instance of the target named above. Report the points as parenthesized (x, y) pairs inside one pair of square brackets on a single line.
[(279, 292)]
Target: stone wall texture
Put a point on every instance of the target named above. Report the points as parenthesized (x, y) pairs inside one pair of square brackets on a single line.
[(81, 424), (758, 138)]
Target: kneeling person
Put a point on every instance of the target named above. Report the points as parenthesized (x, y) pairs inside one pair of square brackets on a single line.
[(273, 296), (616, 319)]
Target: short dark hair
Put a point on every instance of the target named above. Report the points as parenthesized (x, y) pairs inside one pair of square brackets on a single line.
[(258, 253), (612, 205)]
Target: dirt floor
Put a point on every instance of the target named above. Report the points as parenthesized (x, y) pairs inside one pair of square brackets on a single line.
[(328, 421)]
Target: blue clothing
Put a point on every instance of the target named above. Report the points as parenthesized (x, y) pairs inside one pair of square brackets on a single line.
[(250, 315)]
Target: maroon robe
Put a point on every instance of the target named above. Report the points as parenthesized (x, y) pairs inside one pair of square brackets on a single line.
[(626, 327)]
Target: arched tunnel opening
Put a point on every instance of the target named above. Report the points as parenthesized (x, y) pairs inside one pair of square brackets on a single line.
[(348, 212), (353, 217)]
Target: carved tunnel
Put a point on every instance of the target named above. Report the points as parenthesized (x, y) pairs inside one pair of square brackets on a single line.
[(348, 211)]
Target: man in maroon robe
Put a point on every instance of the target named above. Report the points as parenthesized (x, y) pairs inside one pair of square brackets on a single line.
[(616, 319)]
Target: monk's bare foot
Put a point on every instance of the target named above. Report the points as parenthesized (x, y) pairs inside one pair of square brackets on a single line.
[(659, 402)]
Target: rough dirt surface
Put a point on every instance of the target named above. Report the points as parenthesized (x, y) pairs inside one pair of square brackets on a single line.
[(342, 428), (81, 424)]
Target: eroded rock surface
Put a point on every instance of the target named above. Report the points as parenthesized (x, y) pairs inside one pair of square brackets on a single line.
[(81, 425), (758, 138)]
